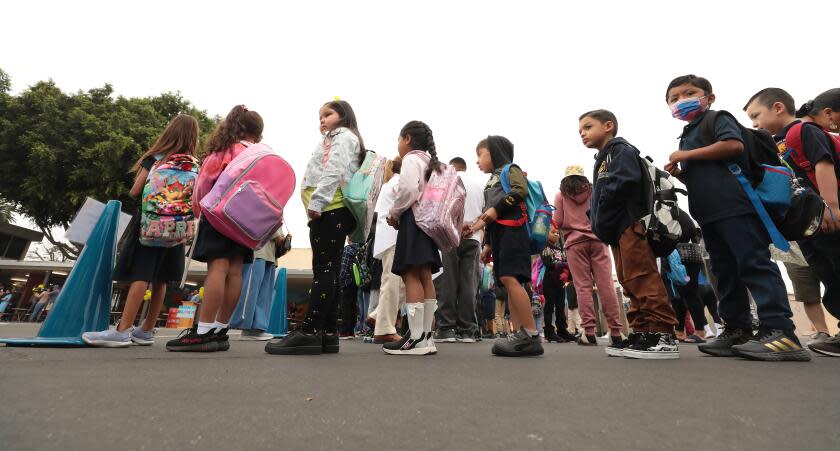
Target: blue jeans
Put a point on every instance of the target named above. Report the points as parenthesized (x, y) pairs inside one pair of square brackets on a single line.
[(740, 260), (254, 307), (36, 311), (363, 300)]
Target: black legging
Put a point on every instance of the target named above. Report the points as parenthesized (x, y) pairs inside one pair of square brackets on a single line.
[(555, 300), (327, 236), (707, 295)]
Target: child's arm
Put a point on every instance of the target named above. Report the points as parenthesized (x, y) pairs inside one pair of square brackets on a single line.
[(827, 184), (720, 150), (620, 182), (408, 188), (558, 209), (344, 149), (139, 183)]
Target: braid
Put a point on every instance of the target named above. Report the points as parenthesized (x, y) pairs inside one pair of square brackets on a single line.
[(434, 163)]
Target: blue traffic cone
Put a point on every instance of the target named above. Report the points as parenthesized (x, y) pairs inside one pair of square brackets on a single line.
[(278, 323), (84, 303)]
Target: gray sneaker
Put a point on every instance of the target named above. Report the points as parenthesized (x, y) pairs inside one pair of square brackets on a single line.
[(255, 335), (465, 337), (817, 338), (143, 337), (107, 339), (445, 336)]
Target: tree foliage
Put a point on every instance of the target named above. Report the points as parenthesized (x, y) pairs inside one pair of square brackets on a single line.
[(58, 148)]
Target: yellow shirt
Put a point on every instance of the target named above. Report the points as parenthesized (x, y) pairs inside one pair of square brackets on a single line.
[(336, 202)]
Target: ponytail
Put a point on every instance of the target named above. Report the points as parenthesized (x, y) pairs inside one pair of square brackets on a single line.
[(805, 109), (240, 123)]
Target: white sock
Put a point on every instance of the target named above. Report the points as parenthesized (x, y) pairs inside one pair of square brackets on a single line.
[(219, 326), (708, 329), (531, 332), (203, 328), (415, 318), (430, 306)]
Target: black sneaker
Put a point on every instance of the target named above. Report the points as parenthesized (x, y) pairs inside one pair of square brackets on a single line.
[(722, 345), (566, 336), (616, 348), (465, 337), (653, 346), (829, 346), (407, 346), (296, 343), (518, 344), (773, 345), (329, 343), (222, 339), (445, 336), (551, 336), (191, 341), (587, 340)]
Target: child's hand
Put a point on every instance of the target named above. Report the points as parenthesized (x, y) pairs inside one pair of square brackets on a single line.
[(475, 227), (395, 223), (313, 214), (831, 220), (485, 255), (488, 216), (673, 169)]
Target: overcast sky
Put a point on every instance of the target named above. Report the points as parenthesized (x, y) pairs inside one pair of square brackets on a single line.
[(522, 69)]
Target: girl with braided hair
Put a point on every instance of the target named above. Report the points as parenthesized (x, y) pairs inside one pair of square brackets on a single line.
[(416, 257), (337, 157)]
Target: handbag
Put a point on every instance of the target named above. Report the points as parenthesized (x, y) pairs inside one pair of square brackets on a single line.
[(283, 249)]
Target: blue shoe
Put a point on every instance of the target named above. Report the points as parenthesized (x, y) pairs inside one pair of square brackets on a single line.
[(107, 339), (142, 337)]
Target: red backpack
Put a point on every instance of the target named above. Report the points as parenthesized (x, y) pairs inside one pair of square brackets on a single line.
[(793, 141)]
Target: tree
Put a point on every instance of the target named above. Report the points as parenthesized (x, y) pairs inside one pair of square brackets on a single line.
[(57, 148)]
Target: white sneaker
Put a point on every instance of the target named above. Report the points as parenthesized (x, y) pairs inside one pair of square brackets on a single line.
[(255, 335), (107, 339)]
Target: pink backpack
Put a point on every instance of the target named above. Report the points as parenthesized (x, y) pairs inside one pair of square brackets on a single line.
[(246, 203), (440, 210)]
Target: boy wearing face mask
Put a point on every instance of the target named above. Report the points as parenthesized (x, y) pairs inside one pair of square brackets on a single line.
[(736, 239)]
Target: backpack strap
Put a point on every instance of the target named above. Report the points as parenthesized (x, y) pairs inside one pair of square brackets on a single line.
[(504, 177), (707, 126), (778, 240), (793, 141)]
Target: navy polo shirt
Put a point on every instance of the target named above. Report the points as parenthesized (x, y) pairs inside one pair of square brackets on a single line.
[(713, 192)]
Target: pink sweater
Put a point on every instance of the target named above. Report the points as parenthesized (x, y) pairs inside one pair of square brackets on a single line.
[(570, 215)]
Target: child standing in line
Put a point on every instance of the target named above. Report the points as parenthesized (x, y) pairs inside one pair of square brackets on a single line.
[(557, 275), (589, 258), (772, 109), (416, 257), (617, 204), (736, 239), (223, 256), (506, 238), (338, 156), (254, 306), (142, 265), (349, 292)]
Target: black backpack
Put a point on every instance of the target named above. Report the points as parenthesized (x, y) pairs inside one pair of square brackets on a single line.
[(758, 145)]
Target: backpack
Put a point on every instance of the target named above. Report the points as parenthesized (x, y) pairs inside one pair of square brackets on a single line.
[(793, 141), (661, 218), (361, 194), (246, 203), (363, 265), (759, 146), (440, 210), (536, 211), (690, 253), (166, 213)]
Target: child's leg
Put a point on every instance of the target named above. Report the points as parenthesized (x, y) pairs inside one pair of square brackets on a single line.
[(155, 306), (581, 266), (389, 297), (133, 301), (519, 305), (348, 309), (823, 256), (214, 289), (233, 286), (428, 285), (650, 310), (415, 296), (602, 270), (499, 318), (734, 303)]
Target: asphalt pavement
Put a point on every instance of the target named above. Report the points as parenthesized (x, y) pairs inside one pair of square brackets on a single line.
[(573, 397)]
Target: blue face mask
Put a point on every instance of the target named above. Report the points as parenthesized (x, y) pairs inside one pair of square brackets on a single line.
[(687, 109)]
